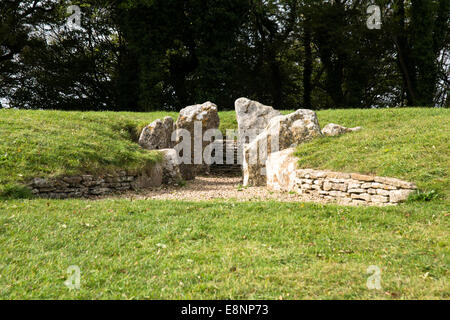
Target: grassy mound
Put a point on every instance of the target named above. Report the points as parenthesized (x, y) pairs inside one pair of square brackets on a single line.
[(411, 144), (53, 143)]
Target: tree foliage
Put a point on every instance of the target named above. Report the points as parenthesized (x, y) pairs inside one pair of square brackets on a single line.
[(147, 55)]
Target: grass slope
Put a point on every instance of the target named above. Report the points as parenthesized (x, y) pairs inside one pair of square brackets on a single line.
[(52, 143), (221, 250), (411, 144)]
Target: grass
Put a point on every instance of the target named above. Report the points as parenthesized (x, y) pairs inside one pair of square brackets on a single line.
[(411, 144), (221, 250), (53, 143)]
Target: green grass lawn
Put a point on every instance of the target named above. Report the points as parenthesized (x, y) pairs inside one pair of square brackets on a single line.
[(52, 143), (221, 250), (208, 250)]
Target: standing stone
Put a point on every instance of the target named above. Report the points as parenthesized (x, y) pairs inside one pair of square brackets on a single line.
[(207, 116), (169, 127), (281, 133), (149, 178), (281, 170), (171, 169), (334, 130), (252, 117), (157, 135)]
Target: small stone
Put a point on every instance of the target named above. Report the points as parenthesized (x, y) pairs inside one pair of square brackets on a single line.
[(363, 196), (362, 177), (395, 182), (318, 174), (327, 186), (40, 183), (383, 192), (100, 191), (334, 130), (338, 194), (359, 202), (73, 180), (379, 199), (340, 187), (356, 191), (353, 185), (338, 175)]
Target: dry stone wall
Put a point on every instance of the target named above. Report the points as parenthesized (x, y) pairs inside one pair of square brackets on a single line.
[(85, 186), (353, 188), (345, 188)]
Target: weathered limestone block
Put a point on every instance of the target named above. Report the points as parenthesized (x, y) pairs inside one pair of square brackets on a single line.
[(157, 135), (327, 186), (41, 183), (397, 196), (252, 117), (361, 196), (196, 120), (171, 168), (356, 191), (395, 183), (281, 133), (333, 130), (255, 156), (362, 177), (149, 178), (281, 170), (379, 199), (100, 191)]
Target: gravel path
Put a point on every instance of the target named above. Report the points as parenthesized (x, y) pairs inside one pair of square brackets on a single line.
[(212, 188)]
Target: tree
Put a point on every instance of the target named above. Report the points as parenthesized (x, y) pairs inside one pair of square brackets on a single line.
[(420, 30)]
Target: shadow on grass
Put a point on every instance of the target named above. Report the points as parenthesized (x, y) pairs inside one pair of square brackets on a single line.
[(15, 192)]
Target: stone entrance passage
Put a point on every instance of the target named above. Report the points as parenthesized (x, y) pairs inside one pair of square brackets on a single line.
[(228, 168)]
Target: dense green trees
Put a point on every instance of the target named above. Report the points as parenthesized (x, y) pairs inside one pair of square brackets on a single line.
[(145, 55)]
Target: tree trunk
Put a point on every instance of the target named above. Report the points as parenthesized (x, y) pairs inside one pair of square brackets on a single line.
[(307, 65)]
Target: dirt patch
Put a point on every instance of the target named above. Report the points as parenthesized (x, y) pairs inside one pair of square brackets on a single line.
[(217, 188)]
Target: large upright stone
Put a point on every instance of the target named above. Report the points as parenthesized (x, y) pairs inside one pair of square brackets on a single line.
[(252, 117), (171, 170), (149, 178), (281, 170), (281, 133), (201, 116), (157, 135)]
